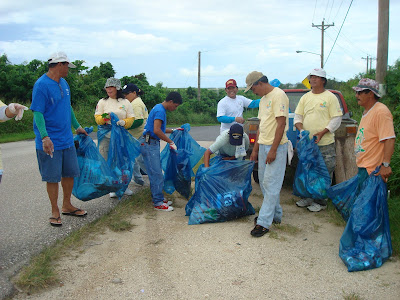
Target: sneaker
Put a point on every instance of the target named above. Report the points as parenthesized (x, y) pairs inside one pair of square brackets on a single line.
[(259, 231), (164, 207), (128, 192), (138, 181), (113, 195), (315, 207), (169, 203), (141, 183), (304, 202)]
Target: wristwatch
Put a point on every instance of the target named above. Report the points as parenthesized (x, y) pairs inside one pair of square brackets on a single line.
[(385, 164)]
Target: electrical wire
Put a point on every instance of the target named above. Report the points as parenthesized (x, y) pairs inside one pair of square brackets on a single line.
[(315, 6), (339, 32), (330, 12), (351, 43), (327, 4), (338, 10)]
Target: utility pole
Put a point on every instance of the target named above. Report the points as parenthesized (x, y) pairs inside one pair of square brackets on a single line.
[(383, 41), (198, 80), (367, 58), (323, 27), (370, 63)]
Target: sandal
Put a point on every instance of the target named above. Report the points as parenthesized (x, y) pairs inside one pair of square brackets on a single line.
[(74, 213), (57, 222)]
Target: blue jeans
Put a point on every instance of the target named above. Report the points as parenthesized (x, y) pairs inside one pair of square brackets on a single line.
[(271, 179), (137, 176), (151, 156)]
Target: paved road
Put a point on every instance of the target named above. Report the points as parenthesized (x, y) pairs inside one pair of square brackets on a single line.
[(25, 208)]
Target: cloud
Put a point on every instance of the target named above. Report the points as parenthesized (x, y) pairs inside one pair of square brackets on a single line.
[(162, 37)]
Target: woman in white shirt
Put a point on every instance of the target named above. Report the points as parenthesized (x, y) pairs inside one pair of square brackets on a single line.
[(116, 103)]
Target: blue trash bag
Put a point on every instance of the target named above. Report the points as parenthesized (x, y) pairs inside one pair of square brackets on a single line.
[(344, 193), (221, 192), (178, 173), (366, 243), (178, 166), (312, 177), (123, 150), (95, 179)]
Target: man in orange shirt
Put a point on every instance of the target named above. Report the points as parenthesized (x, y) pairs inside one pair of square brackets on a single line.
[(374, 144)]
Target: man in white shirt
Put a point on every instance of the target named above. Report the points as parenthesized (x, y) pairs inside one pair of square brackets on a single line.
[(230, 108)]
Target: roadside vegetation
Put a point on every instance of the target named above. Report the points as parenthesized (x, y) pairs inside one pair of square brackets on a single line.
[(16, 84)]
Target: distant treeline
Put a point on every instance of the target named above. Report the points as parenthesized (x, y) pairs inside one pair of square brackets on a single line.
[(87, 87)]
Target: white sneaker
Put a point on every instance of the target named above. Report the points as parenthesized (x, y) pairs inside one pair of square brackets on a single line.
[(164, 207), (315, 207), (113, 195), (168, 202), (128, 192), (304, 202)]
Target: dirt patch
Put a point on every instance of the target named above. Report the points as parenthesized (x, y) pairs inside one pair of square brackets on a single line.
[(163, 257)]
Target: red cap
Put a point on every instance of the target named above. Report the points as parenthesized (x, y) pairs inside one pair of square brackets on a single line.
[(231, 82)]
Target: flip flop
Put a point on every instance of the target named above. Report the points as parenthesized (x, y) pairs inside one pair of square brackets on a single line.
[(56, 224), (74, 213)]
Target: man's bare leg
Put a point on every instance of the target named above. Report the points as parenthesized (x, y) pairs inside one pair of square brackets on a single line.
[(52, 191), (67, 184)]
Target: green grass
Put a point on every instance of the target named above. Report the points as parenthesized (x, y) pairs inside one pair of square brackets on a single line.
[(15, 137), (394, 218), (351, 296), (41, 272)]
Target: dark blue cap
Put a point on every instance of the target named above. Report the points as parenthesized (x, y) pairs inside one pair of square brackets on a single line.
[(130, 88)]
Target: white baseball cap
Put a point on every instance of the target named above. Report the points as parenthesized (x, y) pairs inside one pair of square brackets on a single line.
[(317, 72), (60, 57)]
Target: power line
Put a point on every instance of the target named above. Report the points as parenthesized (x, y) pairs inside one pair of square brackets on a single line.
[(327, 4), (339, 31), (351, 43), (330, 12), (340, 6), (315, 6)]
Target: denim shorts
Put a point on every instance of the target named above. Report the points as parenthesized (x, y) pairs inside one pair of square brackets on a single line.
[(63, 164)]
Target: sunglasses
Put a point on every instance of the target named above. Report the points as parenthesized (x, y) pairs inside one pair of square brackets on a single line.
[(362, 92)]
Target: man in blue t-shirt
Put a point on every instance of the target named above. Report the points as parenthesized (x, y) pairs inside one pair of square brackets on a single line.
[(155, 129), (55, 150)]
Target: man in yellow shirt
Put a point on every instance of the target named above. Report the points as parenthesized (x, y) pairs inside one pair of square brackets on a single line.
[(319, 112), (270, 149)]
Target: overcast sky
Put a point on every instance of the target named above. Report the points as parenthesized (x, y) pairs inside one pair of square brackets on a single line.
[(162, 38)]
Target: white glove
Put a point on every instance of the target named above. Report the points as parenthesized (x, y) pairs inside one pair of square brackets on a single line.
[(121, 123), (172, 146), (17, 109)]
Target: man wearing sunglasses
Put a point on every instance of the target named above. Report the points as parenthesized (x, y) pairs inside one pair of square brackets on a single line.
[(374, 144)]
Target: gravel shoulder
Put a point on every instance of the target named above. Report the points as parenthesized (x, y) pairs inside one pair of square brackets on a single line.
[(163, 257)]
